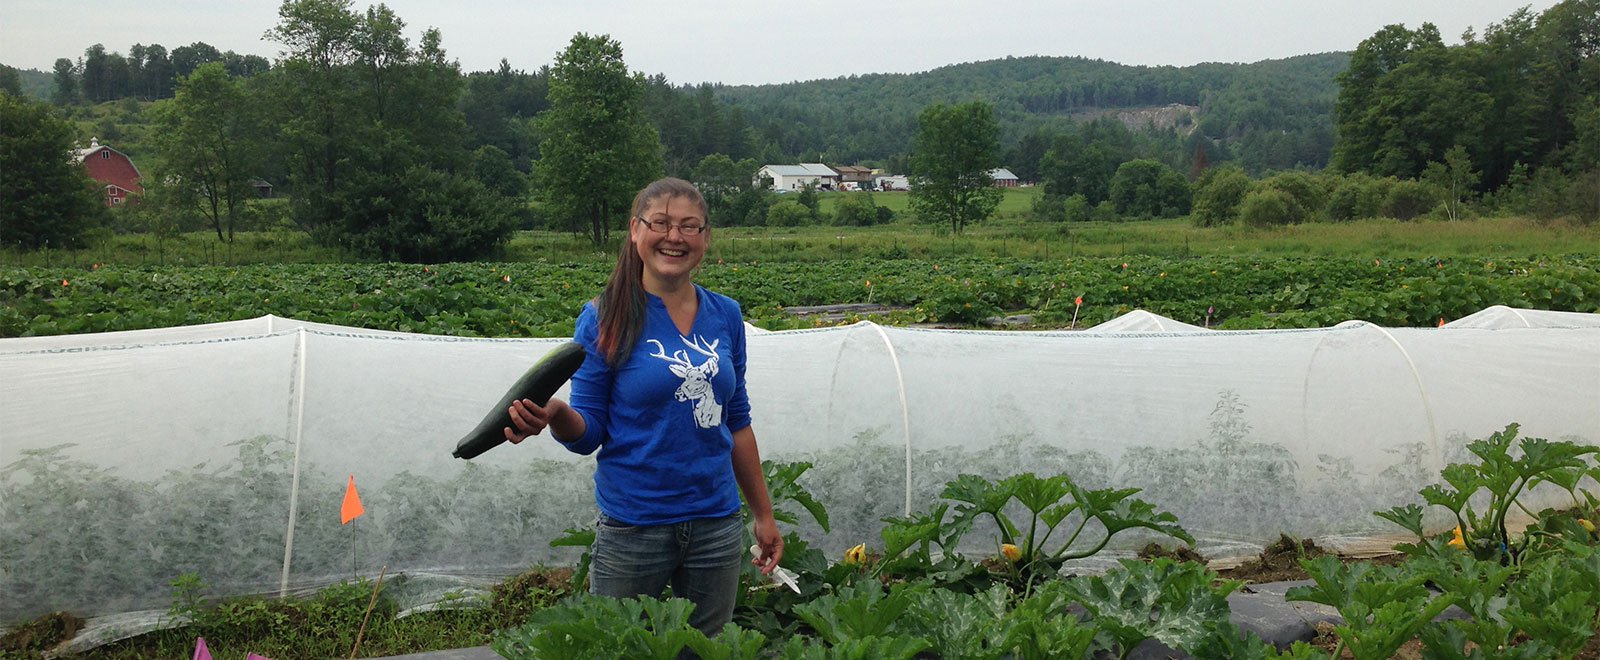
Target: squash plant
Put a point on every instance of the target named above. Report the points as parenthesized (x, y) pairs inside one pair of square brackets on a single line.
[(1382, 607), (1505, 476), (1051, 503), (585, 627), (1172, 602)]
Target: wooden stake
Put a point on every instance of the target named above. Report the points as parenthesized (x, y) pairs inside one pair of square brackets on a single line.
[(368, 615)]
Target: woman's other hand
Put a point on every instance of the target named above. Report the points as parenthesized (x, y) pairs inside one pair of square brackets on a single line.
[(771, 542)]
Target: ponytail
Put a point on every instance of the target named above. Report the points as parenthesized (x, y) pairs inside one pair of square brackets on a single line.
[(620, 307)]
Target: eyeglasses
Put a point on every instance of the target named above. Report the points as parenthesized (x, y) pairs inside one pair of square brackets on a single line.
[(685, 228)]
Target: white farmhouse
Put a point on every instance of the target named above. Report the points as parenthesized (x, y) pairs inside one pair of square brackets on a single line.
[(794, 177)]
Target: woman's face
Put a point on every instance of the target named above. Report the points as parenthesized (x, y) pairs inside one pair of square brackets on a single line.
[(671, 255)]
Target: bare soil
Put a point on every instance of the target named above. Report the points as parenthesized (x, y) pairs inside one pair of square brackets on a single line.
[(42, 633)]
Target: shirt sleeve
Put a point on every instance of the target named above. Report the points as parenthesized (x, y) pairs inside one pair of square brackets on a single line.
[(736, 415), (591, 386)]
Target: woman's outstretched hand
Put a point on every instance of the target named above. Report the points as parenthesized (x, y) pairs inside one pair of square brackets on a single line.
[(530, 419)]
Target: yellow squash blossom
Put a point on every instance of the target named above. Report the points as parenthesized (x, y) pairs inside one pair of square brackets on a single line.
[(856, 555), (1458, 541), (1010, 551), (1586, 525)]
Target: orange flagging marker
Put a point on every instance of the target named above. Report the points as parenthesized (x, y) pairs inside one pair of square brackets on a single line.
[(352, 503)]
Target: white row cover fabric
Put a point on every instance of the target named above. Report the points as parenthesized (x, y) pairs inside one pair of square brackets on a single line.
[(129, 458)]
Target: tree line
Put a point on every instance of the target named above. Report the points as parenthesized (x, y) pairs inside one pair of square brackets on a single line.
[(386, 148), (147, 72), (1522, 97)]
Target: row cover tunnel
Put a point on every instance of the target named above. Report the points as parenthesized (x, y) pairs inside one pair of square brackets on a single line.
[(224, 450)]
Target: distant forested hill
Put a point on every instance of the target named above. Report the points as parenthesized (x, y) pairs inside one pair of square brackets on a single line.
[(1273, 114), (35, 83)]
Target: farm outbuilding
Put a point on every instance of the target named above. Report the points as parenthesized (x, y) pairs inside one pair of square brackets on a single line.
[(854, 173), (115, 172), (794, 177), (131, 457)]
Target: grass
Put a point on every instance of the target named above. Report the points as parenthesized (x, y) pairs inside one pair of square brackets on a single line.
[(325, 625), (1014, 203), (1004, 238)]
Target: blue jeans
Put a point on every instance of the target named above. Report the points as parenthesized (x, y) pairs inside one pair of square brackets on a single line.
[(698, 558)]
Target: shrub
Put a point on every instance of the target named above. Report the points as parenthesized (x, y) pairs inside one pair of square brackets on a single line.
[(1046, 208), (1409, 199), (1356, 196), (1147, 188), (1586, 195), (885, 214), (1217, 195), (1304, 188), (1076, 208), (856, 210), (426, 215), (1104, 212), (1269, 207), (788, 214)]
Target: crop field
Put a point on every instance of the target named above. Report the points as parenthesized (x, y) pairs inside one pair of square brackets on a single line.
[(540, 299), (1005, 603)]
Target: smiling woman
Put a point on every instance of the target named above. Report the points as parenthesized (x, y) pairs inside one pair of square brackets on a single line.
[(673, 431)]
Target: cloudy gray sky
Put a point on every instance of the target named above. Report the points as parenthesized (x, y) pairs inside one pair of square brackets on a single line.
[(744, 42)]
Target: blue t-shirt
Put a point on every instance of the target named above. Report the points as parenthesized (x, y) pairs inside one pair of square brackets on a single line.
[(663, 420)]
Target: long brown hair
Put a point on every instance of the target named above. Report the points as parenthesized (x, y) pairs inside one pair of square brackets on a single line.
[(620, 305)]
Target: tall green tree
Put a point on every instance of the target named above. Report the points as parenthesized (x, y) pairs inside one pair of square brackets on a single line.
[(210, 139), (722, 180), (1024, 160), (1454, 178), (47, 199), (154, 80), (10, 81), (316, 94), (954, 150), (499, 108), (185, 59), (1083, 162), (66, 79), (378, 148), (597, 149), (96, 82)]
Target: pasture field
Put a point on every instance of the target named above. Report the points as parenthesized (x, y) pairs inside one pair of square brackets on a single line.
[(1004, 238)]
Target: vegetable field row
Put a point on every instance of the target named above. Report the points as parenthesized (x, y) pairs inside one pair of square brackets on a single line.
[(541, 298)]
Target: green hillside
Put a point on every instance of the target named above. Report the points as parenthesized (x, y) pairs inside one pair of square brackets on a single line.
[(1272, 114), (35, 83)]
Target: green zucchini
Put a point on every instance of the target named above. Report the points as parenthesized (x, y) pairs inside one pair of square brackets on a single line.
[(539, 383)]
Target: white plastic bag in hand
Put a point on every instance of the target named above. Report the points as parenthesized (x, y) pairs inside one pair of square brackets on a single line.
[(778, 575)]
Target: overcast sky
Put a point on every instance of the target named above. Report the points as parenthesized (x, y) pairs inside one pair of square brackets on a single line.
[(744, 42)]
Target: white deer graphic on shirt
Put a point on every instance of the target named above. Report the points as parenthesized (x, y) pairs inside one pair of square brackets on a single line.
[(696, 379)]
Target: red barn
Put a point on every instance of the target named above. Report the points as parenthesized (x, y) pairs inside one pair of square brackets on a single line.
[(113, 169)]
